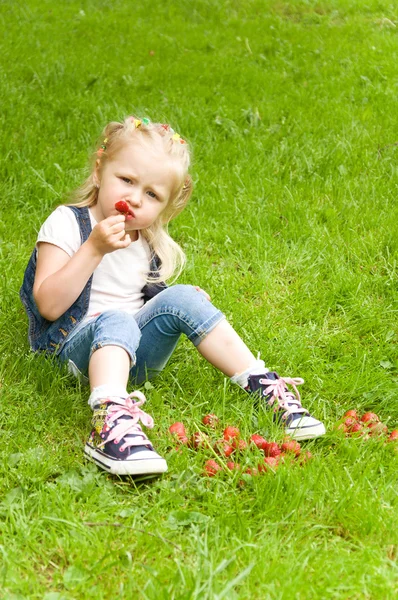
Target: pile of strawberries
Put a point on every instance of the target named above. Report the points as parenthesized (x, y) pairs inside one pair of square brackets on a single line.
[(231, 444), (367, 425)]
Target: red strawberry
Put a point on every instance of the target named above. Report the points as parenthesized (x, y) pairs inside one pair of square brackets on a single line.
[(251, 471), (233, 466), (352, 426), (199, 440), (258, 441), (393, 437), (291, 446), (305, 457), (122, 207), (178, 430), (272, 449), (211, 468), (351, 413), (349, 422), (239, 445), (224, 448), (377, 428), (210, 420), (370, 417), (231, 432), (228, 450), (270, 463), (356, 428)]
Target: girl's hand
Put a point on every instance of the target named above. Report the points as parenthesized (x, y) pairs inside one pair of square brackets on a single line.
[(197, 288), (109, 235)]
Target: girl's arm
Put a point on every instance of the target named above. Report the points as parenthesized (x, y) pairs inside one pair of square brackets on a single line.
[(60, 279)]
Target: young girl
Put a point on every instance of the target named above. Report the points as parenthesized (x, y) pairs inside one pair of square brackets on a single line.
[(95, 296)]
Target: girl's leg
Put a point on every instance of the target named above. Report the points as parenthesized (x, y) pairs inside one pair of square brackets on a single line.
[(182, 309), (109, 365), (103, 348), (226, 351)]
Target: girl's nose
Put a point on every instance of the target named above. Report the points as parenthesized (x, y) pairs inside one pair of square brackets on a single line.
[(135, 198)]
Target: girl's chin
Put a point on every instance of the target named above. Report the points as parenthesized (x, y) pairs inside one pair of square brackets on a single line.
[(130, 226)]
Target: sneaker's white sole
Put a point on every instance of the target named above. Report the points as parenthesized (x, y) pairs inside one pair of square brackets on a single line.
[(151, 466), (306, 433)]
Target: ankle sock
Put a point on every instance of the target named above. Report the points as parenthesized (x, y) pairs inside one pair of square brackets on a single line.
[(106, 391), (257, 368)]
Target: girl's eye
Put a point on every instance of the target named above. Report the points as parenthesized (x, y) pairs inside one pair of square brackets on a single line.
[(152, 194), (126, 179)]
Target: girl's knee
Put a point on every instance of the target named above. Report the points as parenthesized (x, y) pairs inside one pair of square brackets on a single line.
[(182, 295), (189, 304)]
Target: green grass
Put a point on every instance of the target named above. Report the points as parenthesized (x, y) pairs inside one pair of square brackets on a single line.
[(293, 229)]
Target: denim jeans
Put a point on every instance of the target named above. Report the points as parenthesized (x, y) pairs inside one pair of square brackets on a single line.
[(149, 337)]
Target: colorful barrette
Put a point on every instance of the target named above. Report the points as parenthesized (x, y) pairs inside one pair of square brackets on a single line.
[(136, 123), (177, 138), (174, 135), (146, 121), (102, 148)]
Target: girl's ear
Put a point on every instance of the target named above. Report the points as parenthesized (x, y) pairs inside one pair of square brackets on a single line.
[(96, 176)]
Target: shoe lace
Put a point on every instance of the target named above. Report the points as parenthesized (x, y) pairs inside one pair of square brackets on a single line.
[(123, 407), (288, 401)]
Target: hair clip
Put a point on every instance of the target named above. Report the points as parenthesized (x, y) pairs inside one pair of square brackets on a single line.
[(102, 148), (136, 123), (146, 121), (174, 136), (177, 138)]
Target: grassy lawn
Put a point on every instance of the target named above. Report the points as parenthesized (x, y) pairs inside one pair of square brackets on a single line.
[(291, 109)]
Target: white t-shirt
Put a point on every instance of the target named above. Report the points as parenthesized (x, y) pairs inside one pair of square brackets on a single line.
[(120, 276)]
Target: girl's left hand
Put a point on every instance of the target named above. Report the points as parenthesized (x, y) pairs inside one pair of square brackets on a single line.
[(198, 289)]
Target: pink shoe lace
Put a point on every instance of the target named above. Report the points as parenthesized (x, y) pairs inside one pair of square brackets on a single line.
[(127, 407), (288, 401)]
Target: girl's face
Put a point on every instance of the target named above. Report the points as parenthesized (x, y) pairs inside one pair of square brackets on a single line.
[(143, 177)]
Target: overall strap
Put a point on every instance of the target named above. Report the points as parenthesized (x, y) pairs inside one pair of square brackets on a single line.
[(83, 218)]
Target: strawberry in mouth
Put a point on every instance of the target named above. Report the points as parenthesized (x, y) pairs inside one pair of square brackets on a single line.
[(122, 207)]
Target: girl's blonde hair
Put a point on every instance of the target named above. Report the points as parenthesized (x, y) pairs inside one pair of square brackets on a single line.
[(114, 137)]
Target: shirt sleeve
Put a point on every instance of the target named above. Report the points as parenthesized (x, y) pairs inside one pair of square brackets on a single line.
[(61, 229)]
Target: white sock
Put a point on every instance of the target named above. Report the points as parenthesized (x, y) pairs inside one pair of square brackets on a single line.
[(106, 391), (257, 368)]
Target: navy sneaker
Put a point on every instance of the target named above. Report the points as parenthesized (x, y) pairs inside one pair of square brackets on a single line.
[(117, 443), (298, 422)]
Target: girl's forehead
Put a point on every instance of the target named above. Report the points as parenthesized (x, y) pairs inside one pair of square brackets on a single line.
[(152, 157), (139, 150)]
